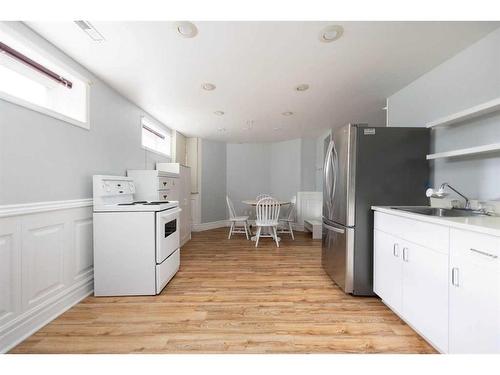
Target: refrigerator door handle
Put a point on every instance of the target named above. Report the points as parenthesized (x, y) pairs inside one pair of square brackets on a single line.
[(335, 164), (338, 230), (327, 181)]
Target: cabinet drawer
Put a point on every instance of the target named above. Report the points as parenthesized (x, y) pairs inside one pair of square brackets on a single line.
[(167, 270), (429, 235), (480, 249), (164, 195), (166, 182)]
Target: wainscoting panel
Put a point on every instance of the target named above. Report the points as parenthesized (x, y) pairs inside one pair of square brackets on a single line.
[(10, 261), (46, 258), (309, 206)]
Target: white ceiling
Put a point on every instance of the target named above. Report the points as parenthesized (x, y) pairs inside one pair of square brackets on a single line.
[(255, 66)]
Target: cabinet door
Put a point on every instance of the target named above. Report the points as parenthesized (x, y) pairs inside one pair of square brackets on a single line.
[(474, 293), (425, 292), (387, 269)]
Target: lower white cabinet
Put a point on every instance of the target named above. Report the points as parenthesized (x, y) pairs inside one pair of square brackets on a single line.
[(412, 280), (474, 293), (425, 292), (447, 290), (388, 269)]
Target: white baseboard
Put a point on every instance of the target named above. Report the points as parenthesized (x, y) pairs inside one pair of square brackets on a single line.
[(211, 225), (30, 322)]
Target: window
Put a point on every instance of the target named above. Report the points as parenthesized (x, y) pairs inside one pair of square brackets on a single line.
[(155, 137), (31, 79)]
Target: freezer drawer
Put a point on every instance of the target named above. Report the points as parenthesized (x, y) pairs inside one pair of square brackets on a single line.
[(337, 255), (166, 270)]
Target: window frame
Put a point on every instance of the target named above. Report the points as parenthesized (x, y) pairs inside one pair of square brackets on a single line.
[(57, 61), (162, 128)]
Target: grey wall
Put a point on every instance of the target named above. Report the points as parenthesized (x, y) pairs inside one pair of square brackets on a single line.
[(308, 164), (248, 172), (280, 169), (285, 169), (469, 78), (45, 159), (213, 181)]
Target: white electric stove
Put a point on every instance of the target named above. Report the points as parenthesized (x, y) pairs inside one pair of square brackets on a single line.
[(136, 243)]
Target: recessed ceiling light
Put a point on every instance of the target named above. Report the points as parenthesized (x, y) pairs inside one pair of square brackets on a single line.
[(221, 129), (208, 86), (219, 113), (276, 129), (186, 29), (331, 33), (287, 113), (91, 31), (302, 87)]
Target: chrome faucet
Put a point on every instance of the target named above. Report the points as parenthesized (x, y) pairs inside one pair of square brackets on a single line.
[(440, 193)]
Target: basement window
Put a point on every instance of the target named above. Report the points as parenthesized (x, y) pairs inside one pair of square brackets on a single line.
[(30, 78), (155, 137)]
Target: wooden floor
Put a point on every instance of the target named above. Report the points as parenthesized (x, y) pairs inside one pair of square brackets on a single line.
[(229, 297)]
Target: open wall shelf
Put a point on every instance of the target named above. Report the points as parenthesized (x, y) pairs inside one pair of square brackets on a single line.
[(467, 114), (494, 147)]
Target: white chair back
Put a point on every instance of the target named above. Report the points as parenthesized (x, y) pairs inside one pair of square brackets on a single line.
[(262, 196), (267, 211), (230, 207)]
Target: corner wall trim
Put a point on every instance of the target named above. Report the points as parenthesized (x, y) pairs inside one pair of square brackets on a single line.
[(29, 208)]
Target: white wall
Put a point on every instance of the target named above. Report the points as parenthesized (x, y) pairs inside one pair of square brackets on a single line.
[(469, 78), (45, 159)]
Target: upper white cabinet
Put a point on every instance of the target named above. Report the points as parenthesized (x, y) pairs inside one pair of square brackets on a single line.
[(444, 282), (474, 293)]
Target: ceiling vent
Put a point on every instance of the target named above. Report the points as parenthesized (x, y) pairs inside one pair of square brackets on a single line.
[(90, 30)]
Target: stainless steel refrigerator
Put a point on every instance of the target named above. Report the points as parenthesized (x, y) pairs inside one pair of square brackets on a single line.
[(366, 166)]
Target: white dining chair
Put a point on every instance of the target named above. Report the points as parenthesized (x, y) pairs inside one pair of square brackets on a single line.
[(286, 222), (267, 213), (235, 220)]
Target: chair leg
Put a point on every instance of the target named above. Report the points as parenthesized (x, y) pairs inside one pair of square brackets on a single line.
[(249, 228), (257, 236), (231, 230), (276, 237), (291, 230), (246, 229)]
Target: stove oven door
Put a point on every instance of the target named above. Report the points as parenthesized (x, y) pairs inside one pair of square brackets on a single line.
[(167, 233)]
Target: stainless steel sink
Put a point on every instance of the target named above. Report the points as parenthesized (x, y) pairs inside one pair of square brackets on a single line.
[(441, 212)]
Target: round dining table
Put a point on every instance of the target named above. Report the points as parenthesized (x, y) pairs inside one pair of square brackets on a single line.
[(253, 202)]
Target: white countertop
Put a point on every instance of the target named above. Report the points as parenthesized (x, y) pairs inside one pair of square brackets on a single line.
[(482, 224)]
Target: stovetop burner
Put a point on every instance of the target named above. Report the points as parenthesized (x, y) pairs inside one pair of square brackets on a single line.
[(155, 203), (145, 203), (132, 203)]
